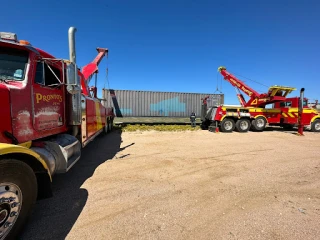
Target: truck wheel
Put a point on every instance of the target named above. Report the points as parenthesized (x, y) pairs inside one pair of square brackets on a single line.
[(243, 125), (110, 125), (203, 126), (18, 194), (106, 127), (258, 124), (315, 126), (227, 125)]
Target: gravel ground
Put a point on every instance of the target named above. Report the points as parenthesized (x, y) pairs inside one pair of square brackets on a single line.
[(187, 185)]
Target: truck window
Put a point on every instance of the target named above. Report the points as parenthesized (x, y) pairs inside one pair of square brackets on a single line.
[(49, 77), (13, 63), (39, 73), (46, 76), (285, 104)]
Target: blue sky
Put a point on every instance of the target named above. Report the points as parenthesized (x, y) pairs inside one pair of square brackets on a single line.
[(178, 45)]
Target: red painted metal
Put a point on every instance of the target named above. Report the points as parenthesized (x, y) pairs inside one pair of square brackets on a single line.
[(234, 81), (5, 114), (300, 116), (39, 111), (255, 99), (92, 67), (275, 116)]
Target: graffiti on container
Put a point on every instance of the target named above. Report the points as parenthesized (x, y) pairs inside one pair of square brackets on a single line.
[(126, 110), (169, 105)]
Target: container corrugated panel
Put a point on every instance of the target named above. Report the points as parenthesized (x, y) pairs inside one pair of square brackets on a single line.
[(132, 103)]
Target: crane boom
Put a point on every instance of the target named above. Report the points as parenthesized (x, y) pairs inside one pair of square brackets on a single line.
[(274, 94), (90, 69), (238, 83)]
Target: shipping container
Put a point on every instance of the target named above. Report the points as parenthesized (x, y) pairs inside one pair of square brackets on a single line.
[(132, 103)]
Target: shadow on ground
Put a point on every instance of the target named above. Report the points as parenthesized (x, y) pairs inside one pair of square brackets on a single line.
[(284, 130), (53, 218)]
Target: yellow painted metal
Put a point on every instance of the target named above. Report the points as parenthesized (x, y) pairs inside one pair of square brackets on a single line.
[(275, 89), (265, 110), (305, 110), (11, 148), (26, 144), (314, 118), (261, 116), (98, 115)]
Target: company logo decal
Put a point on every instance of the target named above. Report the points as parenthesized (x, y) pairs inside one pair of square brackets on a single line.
[(48, 98)]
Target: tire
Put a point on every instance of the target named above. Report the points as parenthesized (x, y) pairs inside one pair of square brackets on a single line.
[(106, 127), (315, 126), (17, 180), (204, 126), (110, 125), (243, 125), (227, 125), (258, 124)]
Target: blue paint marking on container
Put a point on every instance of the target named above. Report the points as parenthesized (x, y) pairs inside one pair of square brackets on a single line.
[(169, 105)]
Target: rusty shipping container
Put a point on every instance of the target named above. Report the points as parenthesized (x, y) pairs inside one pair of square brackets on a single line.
[(132, 103)]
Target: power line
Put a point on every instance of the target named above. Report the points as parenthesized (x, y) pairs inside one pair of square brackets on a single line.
[(250, 79)]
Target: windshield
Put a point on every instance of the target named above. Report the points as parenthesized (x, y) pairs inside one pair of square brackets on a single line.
[(13, 63)]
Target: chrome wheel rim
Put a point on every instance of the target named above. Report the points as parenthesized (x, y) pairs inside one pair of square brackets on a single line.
[(260, 123), (228, 125), (244, 125), (317, 126), (10, 207)]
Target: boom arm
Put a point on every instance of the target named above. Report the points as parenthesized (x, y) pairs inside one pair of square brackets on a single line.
[(90, 69), (275, 93), (238, 84)]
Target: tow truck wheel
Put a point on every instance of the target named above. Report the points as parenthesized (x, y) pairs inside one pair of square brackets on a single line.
[(18, 194), (243, 125), (315, 126), (106, 127), (227, 125), (110, 125), (258, 124)]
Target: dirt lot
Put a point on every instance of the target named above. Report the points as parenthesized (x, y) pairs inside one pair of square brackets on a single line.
[(187, 185)]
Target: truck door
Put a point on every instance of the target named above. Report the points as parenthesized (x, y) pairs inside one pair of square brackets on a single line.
[(288, 114), (48, 96)]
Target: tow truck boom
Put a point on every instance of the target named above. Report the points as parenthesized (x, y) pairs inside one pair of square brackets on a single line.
[(275, 93)]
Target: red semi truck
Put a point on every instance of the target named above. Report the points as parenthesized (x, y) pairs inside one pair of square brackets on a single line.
[(48, 114)]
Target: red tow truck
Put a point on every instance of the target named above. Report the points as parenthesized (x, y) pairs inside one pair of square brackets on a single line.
[(48, 114), (256, 113)]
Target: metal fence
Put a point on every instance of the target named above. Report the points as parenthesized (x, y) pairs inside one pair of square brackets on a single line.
[(132, 103)]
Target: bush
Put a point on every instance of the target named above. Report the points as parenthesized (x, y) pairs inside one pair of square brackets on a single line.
[(160, 128)]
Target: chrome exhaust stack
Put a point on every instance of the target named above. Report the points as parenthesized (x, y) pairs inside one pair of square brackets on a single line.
[(73, 84), (72, 44)]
